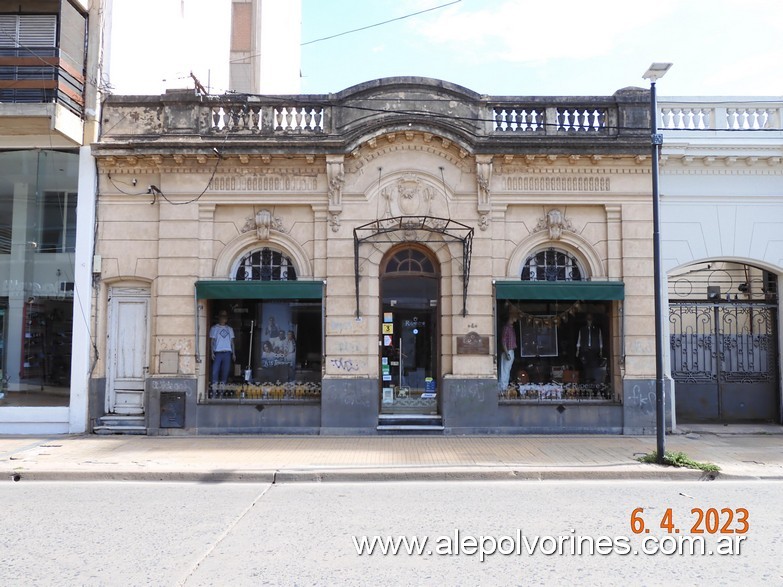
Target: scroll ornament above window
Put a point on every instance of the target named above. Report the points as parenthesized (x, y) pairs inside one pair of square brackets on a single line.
[(263, 222)]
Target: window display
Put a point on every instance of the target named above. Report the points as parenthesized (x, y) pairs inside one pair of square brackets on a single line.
[(562, 351), (277, 348)]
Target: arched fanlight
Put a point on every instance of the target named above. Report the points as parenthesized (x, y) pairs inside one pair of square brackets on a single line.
[(265, 265), (552, 265)]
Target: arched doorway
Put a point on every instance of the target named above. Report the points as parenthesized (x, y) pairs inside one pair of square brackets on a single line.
[(723, 330), (410, 326)]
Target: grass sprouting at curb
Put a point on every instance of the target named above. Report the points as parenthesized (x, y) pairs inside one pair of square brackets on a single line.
[(678, 459)]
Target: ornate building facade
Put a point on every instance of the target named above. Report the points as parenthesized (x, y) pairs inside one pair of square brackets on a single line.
[(369, 248)]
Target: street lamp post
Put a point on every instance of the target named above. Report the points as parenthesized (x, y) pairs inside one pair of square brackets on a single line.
[(655, 72)]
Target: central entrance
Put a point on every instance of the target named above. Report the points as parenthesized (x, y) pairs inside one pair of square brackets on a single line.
[(409, 332)]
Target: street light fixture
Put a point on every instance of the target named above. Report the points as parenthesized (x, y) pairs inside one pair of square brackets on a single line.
[(655, 72)]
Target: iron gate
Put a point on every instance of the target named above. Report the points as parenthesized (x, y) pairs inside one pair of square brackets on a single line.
[(724, 361)]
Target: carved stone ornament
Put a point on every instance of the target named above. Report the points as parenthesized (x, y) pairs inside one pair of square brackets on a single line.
[(483, 177), (336, 176), (334, 221), (409, 196), (262, 223), (555, 222)]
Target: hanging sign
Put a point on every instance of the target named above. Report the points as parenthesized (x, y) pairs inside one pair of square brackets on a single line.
[(387, 340), (388, 328), (387, 317)]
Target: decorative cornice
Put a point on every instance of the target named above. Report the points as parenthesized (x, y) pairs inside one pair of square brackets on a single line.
[(441, 147), (715, 164)]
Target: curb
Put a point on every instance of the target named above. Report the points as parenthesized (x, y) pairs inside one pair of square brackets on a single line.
[(374, 475)]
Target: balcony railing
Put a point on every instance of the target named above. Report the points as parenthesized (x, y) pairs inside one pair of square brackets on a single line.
[(40, 75), (746, 115), (400, 106)]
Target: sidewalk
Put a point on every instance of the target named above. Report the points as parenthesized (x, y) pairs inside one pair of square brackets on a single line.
[(754, 455)]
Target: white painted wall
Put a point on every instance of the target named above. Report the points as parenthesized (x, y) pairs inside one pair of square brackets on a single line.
[(722, 192), (82, 346)]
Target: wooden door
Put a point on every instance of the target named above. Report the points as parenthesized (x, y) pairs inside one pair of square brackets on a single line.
[(128, 361)]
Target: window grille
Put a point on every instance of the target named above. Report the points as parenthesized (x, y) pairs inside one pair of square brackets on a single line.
[(265, 265), (552, 265)]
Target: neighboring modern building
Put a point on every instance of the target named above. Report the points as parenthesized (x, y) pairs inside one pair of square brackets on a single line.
[(50, 63), (368, 247), (722, 247), (265, 47)]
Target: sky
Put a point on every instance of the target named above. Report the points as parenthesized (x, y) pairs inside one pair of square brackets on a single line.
[(496, 47)]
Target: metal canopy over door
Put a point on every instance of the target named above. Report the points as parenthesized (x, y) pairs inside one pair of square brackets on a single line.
[(724, 361), (128, 361), (409, 334)]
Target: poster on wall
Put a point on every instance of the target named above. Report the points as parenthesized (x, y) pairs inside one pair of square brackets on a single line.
[(277, 337), (538, 338)]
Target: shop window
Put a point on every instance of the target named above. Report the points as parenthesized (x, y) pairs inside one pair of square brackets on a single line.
[(265, 265), (562, 350), (552, 265), (561, 344), (277, 351), (277, 339)]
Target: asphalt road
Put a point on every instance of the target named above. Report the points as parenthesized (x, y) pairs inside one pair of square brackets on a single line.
[(303, 534)]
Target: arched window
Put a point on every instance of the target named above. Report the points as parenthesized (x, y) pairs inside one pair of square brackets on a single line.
[(265, 265), (552, 265), (410, 260)]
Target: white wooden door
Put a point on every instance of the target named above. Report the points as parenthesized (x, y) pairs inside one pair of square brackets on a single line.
[(128, 360)]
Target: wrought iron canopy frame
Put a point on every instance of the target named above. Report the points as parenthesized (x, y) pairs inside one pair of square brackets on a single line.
[(381, 230)]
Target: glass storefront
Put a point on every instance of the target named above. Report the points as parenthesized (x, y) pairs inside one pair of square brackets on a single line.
[(555, 331), (562, 350), (37, 241), (277, 350), (277, 332)]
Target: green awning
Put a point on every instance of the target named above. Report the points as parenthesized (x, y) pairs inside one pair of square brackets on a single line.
[(560, 290), (259, 290)]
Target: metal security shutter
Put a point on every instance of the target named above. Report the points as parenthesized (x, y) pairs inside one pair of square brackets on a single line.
[(38, 30), (28, 30), (8, 30)]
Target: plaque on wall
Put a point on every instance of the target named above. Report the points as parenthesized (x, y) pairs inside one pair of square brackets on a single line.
[(472, 344)]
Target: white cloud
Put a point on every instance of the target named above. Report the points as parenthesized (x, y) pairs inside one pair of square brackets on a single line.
[(519, 31)]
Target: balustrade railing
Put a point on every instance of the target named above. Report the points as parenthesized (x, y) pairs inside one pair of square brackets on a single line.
[(518, 118), (247, 117), (301, 116), (526, 119), (725, 115)]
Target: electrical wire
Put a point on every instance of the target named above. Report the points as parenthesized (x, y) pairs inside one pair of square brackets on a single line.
[(364, 28)]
